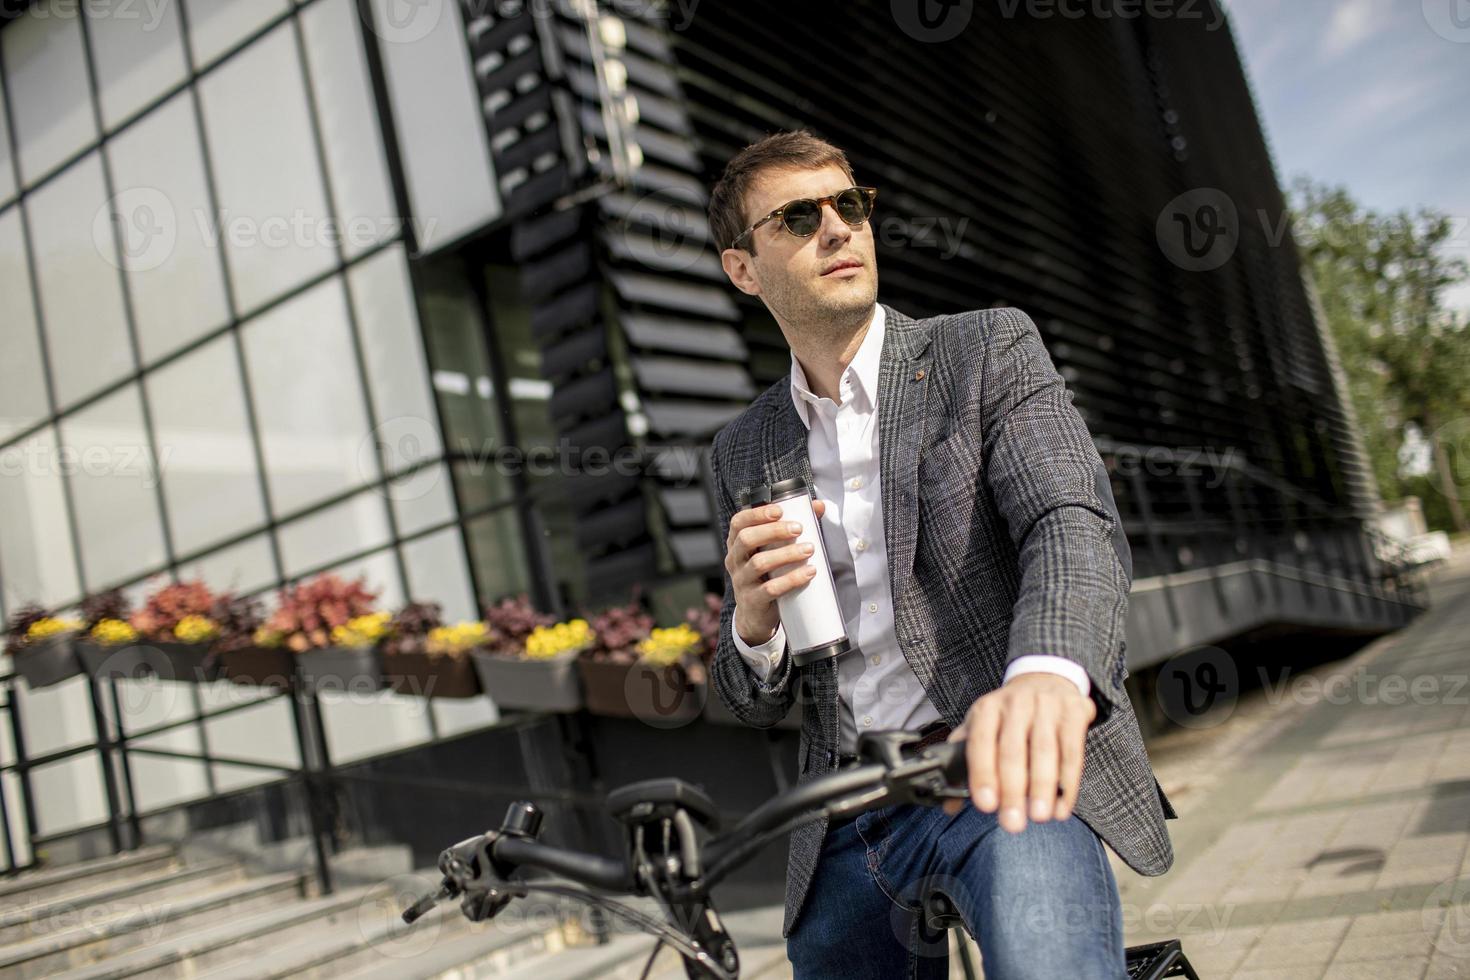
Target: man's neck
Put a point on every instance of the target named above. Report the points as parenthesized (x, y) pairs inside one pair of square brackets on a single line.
[(823, 362)]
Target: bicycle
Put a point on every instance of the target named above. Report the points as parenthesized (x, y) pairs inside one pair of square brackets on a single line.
[(668, 862)]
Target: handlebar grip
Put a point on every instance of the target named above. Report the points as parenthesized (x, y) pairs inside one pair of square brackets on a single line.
[(952, 762), (421, 908)]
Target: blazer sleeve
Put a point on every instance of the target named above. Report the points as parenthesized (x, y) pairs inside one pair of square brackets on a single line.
[(1049, 483), (754, 701)]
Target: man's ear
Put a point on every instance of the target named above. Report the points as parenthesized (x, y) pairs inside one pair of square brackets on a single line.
[(738, 266)]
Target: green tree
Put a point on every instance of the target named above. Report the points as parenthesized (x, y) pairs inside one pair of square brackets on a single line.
[(1382, 279)]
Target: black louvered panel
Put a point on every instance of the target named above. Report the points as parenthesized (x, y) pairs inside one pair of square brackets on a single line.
[(656, 332), (573, 353), (588, 396), (618, 524), (615, 573), (556, 316), (1059, 141), (690, 377), (534, 143), (557, 271)]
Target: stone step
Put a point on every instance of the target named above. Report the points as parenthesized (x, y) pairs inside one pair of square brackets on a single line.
[(377, 942), (224, 945), (484, 949), (45, 883), (82, 945), (111, 900)]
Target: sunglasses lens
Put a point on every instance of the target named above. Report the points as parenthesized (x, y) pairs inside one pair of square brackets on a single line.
[(853, 206), (802, 217)]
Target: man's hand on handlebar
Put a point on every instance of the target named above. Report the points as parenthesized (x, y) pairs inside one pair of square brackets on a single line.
[(756, 614), (1024, 744)]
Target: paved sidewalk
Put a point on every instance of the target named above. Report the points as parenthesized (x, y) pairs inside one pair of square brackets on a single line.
[(1325, 820)]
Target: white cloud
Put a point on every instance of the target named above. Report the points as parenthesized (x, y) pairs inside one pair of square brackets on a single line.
[(1353, 21)]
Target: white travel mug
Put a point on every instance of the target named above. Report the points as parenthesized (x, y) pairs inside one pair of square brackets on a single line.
[(813, 619)]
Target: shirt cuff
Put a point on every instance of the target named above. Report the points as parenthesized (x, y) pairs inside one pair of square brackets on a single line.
[(764, 658), (1041, 663)]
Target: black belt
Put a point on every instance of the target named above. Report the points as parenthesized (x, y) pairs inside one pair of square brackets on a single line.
[(930, 734)]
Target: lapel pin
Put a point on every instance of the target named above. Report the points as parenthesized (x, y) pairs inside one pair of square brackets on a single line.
[(919, 375)]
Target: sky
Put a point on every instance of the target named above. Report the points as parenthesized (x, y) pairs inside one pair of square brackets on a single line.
[(1372, 95)]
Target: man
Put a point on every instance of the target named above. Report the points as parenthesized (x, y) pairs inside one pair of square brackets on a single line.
[(983, 577)]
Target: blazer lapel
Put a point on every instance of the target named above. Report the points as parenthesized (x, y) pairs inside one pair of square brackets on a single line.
[(903, 388)]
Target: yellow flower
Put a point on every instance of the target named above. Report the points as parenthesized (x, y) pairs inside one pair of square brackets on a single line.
[(669, 646), (267, 637), (51, 626), (196, 629), (459, 638), (551, 641), (362, 631), (113, 632)]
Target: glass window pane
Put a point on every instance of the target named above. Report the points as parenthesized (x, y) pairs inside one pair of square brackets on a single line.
[(349, 122), (438, 571), (266, 169), (81, 296), (173, 263), (22, 382), (393, 350), (35, 538), (210, 481), (356, 524), (137, 52), (308, 399), (47, 73), (7, 171), (454, 337), (216, 26), (242, 568), (380, 572), (446, 155), (422, 499), (498, 555), (114, 489)]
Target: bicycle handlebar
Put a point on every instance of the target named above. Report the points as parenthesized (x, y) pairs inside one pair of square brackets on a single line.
[(480, 870)]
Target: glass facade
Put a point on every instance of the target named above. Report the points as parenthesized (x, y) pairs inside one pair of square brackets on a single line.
[(215, 362), (227, 354)]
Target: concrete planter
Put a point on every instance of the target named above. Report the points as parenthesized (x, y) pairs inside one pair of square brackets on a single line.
[(664, 697), (421, 675), (47, 662), (349, 669), (258, 666), (168, 660), (530, 685)]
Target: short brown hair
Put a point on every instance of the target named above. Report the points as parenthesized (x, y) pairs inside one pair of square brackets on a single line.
[(788, 148)]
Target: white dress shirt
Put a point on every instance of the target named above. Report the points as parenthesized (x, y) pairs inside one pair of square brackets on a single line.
[(878, 688)]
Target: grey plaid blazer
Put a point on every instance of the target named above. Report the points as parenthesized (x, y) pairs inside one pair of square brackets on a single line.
[(1003, 540)]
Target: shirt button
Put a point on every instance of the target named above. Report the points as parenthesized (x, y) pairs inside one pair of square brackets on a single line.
[(857, 483), (877, 659), (775, 657), (867, 719), (872, 607), (862, 544)]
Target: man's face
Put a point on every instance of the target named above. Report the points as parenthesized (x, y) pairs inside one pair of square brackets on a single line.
[(798, 278)]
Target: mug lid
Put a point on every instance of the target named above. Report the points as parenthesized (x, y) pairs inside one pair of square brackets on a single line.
[(753, 496), (788, 486)]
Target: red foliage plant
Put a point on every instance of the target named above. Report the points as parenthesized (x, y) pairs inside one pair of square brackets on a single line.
[(162, 610), (619, 629), (307, 611), (512, 619), (705, 619)]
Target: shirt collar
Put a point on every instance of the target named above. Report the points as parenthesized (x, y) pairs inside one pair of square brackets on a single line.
[(863, 369)]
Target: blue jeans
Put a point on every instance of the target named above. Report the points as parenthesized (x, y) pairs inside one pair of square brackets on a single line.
[(1041, 903)]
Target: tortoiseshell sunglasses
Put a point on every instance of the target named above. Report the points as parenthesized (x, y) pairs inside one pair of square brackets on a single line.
[(804, 216)]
